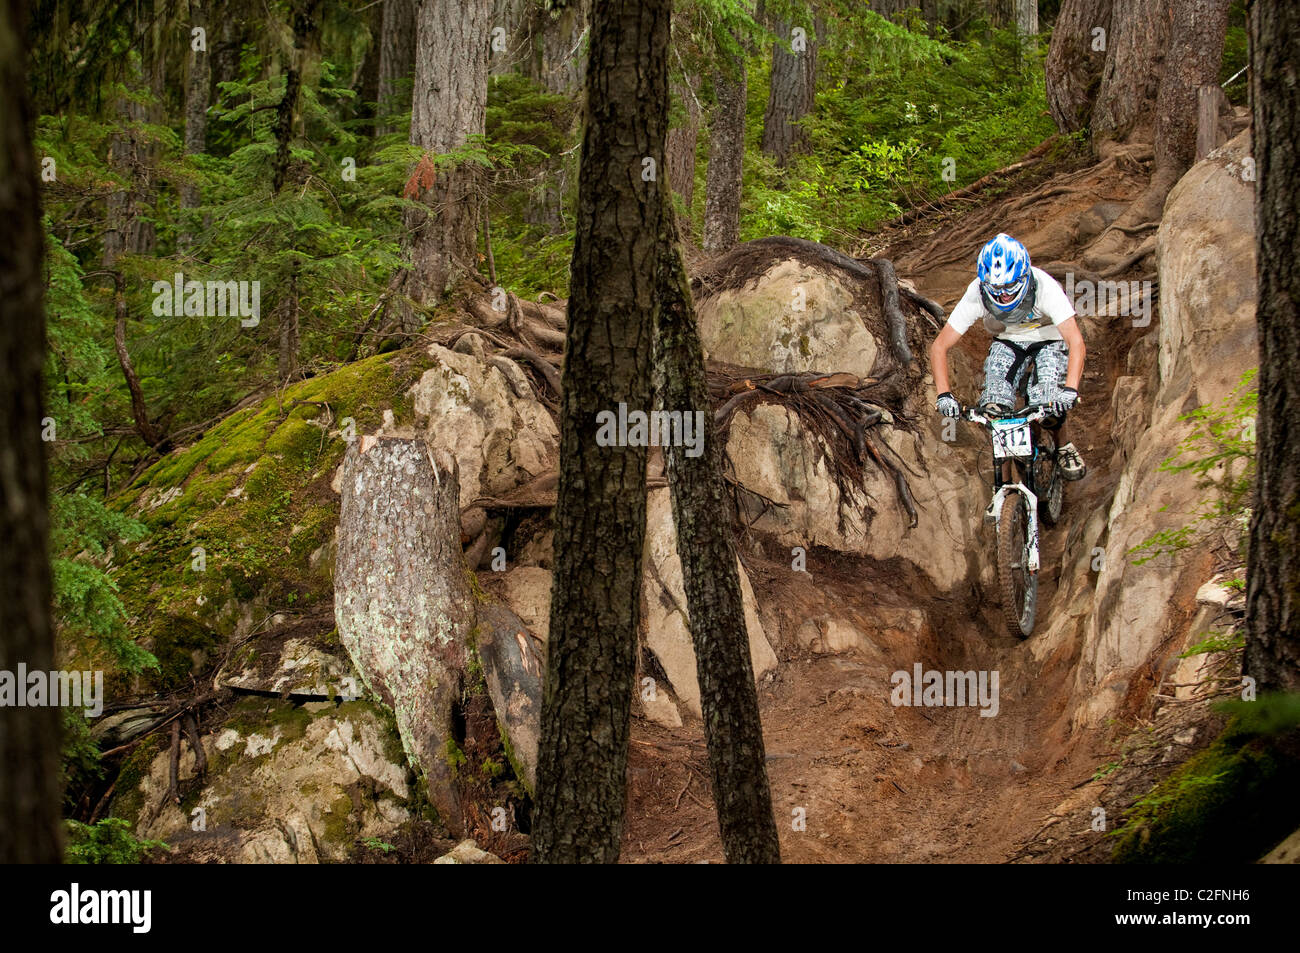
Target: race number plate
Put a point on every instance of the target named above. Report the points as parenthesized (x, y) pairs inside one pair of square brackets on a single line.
[(1011, 438)]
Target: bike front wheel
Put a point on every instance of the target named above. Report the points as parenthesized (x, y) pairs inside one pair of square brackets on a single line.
[(1019, 586)]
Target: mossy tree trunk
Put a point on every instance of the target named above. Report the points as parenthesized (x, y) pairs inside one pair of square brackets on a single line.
[(728, 698), (600, 512), (30, 828), (1273, 578)]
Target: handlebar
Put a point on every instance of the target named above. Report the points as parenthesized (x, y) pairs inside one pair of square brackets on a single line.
[(1031, 413)]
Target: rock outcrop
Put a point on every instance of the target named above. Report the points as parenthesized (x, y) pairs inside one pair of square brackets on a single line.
[(1205, 342)]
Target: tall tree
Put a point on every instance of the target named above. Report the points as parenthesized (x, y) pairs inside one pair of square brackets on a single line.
[(728, 699), (1272, 593), (600, 511), (29, 736), (1075, 60), (1195, 54), (683, 139), (449, 105), (396, 57), (793, 89), (722, 179), (198, 87)]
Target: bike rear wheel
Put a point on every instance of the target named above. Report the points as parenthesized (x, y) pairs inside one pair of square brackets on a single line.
[(1019, 586)]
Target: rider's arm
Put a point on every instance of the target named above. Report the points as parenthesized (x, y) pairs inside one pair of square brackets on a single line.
[(948, 336), (1069, 329)]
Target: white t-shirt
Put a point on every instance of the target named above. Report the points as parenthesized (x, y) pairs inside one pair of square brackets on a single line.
[(1051, 307)]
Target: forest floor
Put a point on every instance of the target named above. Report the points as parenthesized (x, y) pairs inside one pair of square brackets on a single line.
[(877, 783)]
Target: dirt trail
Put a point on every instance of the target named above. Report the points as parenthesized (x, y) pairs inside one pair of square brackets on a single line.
[(878, 783)]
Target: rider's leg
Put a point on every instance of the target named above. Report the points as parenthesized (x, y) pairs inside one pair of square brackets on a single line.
[(997, 389), (1051, 363)]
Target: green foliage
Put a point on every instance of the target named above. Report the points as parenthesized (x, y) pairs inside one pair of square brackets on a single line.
[(109, 841), (1220, 451), (374, 843), (1228, 803), (87, 604), (902, 116), (1216, 642)]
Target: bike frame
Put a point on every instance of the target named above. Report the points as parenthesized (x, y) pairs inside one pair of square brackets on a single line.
[(1031, 415)]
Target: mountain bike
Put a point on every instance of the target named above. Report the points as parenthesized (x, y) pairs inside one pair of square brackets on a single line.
[(1027, 487)]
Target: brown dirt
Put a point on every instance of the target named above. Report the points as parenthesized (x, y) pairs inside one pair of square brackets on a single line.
[(879, 783)]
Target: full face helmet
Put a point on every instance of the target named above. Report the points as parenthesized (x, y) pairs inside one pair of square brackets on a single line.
[(1004, 275)]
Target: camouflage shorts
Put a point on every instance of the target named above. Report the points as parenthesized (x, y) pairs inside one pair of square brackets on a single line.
[(1046, 372)]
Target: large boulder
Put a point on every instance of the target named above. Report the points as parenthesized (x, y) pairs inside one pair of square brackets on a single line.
[(780, 305), (490, 421), (776, 456), (285, 784), (666, 619), (794, 317)]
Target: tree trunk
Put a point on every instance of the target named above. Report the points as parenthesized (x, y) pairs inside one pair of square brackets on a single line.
[(1026, 13), (557, 58), (722, 181), (1074, 66), (793, 91), (139, 411), (600, 512), (1130, 82), (396, 58), (714, 603), (449, 105), (401, 599), (198, 88), (287, 362), (302, 21), (682, 140), (1272, 595), (1195, 53), (30, 826)]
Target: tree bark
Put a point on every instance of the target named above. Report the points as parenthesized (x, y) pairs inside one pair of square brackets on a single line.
[(557, 58), (1272, 593), (401, 599), (682, 141), (30, 826), (449, 105), (600, 512), (792, 93), (1074, 67), (197, 90), (287, 360), (728, 699), (1195, 53), (396, 58), (1130, 82), (723, 178)]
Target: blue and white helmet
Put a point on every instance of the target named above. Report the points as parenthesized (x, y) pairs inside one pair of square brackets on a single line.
[(1004, 274)]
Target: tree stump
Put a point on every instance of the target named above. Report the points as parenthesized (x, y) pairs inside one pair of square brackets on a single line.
[(401, 599)]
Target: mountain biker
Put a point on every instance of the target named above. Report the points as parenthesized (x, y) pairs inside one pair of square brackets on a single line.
[(1035, 333)]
